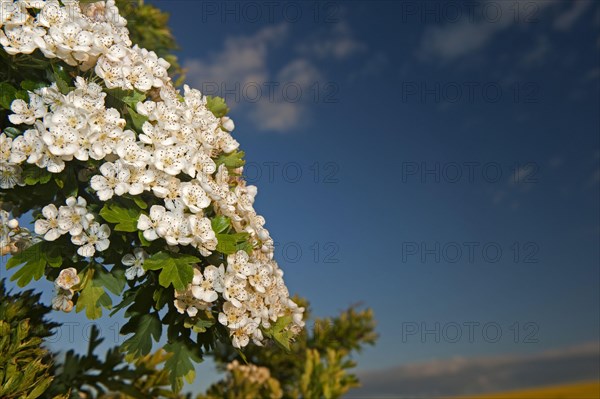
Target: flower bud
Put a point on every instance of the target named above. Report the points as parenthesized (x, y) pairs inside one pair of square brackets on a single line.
[(227, 123)]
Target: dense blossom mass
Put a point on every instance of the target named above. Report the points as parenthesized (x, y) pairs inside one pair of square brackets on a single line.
[(171, 157)]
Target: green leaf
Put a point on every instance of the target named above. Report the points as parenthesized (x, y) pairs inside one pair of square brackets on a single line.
[(7, 94), (276, 332), (143, 327), (139, 202), (128, 97), (143, 241), (132, 98), (34, 175), (199, 325), (137, 119), (52, 254), (33, 269), (232, 161), (34, 265), (124, 218), (22, 95), (220, 224), (177, 275), (176, 269), (62, 78), (30, 85), (114, 281), (71, 186), (231, 243), (93, 297), (12, 132), (180, 363), (161, 297), (217, 106)]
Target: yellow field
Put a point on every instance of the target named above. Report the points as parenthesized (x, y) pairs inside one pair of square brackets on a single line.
[(589, 390)]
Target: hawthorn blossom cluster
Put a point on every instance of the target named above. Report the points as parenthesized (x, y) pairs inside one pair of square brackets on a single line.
[(74, 219), (63, 127), (176, 158), (250, 372), (83, 35), (254, 292)]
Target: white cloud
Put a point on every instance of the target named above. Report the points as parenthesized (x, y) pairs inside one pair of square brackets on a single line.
[(275, 100), (566, 20), (240, 72), (338, 43), (242, 62), (468, 35)]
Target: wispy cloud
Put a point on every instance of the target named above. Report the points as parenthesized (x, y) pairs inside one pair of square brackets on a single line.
[(462, 376), (338, 43), (240, 72), (277, 99), (241, 62), (566, 19), (452, 41)]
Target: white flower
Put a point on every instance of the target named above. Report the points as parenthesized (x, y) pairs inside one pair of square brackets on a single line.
[(235, 290), (67, 278), (154, 135), (261, 280), (72, 218), (10, 175), (238, 264), (51, 162), (136, 262), (114, 180), (206, 287), (52, 14), (29, 146), (186, 303), (149, 225), (133, 155), (139, 180), (240, 337), (165, 186), (62, 141), (194, 197), (226, 142), (141, 78), (204, 236), (6, 144), (175, 229), (13, 224), (200, 163), (27, 113), (62, 300), (167, 117), (20, 38), (94, 238), (232, 316), (72, 42), (49, 226), (170, 160)]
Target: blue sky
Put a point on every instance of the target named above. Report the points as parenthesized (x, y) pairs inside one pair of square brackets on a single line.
[(438, 162)]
